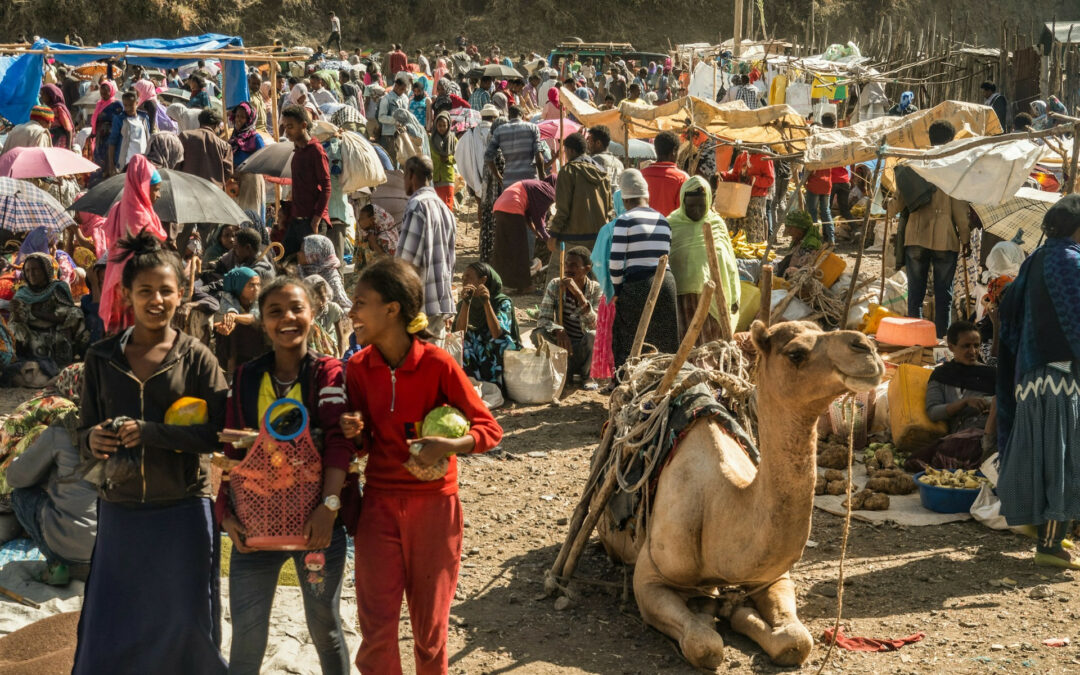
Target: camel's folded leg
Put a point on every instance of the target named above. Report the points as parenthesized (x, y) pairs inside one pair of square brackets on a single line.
[(772, 623), (664, 609)]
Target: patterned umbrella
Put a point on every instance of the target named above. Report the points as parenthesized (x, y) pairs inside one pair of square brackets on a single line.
[(24, 206), (1023, 212)]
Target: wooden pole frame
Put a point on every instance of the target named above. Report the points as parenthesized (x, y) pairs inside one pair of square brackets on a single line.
[(876, 187)]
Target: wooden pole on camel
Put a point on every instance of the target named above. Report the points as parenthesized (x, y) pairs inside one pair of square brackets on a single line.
[(724, 309), (650, 305)]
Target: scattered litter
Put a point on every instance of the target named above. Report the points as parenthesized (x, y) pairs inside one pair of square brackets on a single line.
[(537, 453), (862, 644), (997, 648), (547, 498), (810, 543), (1056, 642), (984, 659)]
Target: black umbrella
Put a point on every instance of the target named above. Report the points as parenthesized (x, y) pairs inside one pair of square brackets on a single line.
[(184, 199), (496, 71)]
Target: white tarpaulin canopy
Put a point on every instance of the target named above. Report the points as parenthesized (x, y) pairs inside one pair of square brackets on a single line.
[(987, 174)]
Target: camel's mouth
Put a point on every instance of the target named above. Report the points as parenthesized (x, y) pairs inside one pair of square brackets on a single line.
[(859, 384)]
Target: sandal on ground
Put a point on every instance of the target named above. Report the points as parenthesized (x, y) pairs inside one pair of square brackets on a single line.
[(1051, 560)]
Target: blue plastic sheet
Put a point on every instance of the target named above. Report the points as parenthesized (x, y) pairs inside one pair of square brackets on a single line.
[(20, 76)]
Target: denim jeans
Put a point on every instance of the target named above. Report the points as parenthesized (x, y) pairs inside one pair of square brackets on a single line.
[(919, 261), (252, 582), (821, 212)]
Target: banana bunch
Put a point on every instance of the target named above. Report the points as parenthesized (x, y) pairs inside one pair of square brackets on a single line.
[(744, 249), (954, 480)]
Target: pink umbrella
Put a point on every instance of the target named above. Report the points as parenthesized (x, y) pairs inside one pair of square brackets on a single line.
[(43, 162), (549, 129)]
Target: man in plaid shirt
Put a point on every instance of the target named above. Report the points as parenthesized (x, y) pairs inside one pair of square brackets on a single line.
[(519, 141), (428, 231), (749, 94)]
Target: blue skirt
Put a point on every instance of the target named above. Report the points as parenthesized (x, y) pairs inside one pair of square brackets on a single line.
[(152, 600), (1039, 479)]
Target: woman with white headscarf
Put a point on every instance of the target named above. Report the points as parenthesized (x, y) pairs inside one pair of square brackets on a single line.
[(300, 96)]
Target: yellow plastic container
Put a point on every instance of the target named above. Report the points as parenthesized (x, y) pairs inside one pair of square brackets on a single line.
[(911, 428), (831, 269), (872, 319), (748, 306)]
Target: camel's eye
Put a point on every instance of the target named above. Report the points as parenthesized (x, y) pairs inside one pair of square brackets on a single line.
[(797, 356)]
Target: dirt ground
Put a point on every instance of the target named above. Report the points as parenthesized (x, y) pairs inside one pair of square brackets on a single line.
[(969, 589)]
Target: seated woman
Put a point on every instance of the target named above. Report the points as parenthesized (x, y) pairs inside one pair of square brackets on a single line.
[(376, 234), (45, 322), (487, 317), (221, 242), (237, 320), (960, 393), (576, 331)]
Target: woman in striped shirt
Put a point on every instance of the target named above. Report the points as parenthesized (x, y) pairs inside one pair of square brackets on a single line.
[(640, 236)]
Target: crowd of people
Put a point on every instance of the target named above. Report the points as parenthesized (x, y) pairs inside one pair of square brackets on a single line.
[(131, 314)]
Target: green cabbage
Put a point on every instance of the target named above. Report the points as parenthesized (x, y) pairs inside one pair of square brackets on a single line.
[(445, 422)]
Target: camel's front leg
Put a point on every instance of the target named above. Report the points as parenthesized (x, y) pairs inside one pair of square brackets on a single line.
[(774, 624), (666, 610)]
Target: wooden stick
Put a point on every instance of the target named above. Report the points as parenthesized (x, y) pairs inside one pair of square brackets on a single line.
[(724, 309), (793, 291), (1074, 180), (650, 305), (884, 255), (766, 294), (967, 284), (862, 241), (562, 275), (582, 508), (18, 598), (696, 324)]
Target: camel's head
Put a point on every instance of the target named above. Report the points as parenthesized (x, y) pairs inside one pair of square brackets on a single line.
[(807, 366)]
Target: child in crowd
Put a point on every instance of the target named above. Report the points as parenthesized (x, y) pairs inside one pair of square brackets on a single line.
[(409, 536), (328, 314), (152, 603), (291, 370)]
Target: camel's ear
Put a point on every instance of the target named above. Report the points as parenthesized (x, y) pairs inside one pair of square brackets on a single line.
[(759, 333)]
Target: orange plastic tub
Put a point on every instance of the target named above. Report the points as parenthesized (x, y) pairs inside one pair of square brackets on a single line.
[(907, 332)]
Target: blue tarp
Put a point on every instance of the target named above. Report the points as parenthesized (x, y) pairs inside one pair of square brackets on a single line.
[(20, 76)]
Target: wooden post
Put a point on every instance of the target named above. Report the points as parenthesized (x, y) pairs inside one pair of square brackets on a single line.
[(562, 121), (650, 305), (688, 341), (224, 104), (736, 47), (626, 142), (862, 241), (562, 275), (766, 294), (724, 309), (273, 125)]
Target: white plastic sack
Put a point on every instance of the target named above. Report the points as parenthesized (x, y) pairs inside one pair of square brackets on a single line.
[(795, 311), (896, 293), (535, 375), (488, 392), (987, 509), (360, 165), (798, 97), (454, 345)]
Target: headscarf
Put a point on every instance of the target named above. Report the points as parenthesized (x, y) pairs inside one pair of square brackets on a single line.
[(330, 80), (187, 119), (215, 249), (30, 296), (165, 151), (444, 144), (299, 89), (689, 259), (237, 278), (103, 103), (245, 138), (477, 313), (553, 97), (37, 241), (440, 69), (319, 251), (323, 261), (905, 99), (61, 115), (413, 128), (1057, 106), (145, 90), (266, 89), (1039, 108), (133, 214)]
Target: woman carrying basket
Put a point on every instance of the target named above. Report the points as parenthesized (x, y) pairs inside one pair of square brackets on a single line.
[(291, 371)]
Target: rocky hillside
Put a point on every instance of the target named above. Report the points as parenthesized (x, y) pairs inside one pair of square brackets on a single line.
[(514, 24)]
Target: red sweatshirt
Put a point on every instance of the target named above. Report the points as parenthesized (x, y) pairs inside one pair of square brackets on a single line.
[(394, 404), (757, 167)]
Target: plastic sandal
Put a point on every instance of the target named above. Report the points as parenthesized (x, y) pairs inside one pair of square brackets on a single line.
[(1051, 560), (55, 575)]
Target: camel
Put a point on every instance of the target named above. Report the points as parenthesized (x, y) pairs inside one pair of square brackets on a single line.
[(720, 521)]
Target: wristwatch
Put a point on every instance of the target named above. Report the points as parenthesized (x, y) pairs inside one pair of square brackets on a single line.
[(332, 502)]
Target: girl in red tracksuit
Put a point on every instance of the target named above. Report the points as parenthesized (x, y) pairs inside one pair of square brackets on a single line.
[(409, 536)]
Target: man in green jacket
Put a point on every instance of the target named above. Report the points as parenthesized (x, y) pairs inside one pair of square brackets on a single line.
[(582, 201)]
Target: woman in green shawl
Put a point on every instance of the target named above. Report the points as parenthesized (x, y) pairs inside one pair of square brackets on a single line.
[(45, 321), (443, 149), (487, 316), (690, 262)]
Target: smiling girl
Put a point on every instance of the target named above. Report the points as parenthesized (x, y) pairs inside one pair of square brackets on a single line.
[(291, 370), (152, 602), (409, 536)]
